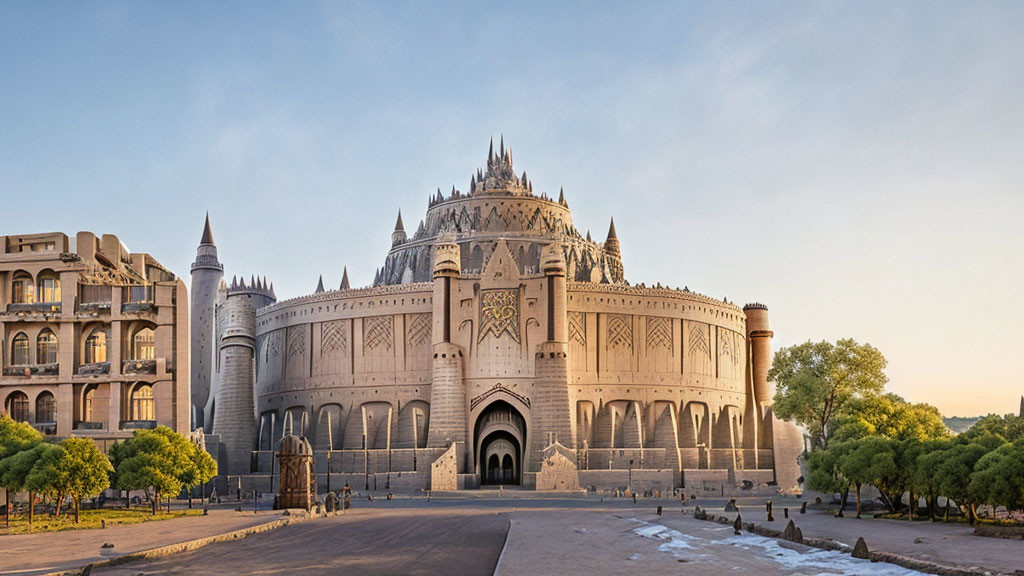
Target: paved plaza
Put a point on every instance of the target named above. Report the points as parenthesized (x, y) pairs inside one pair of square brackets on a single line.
[(516, 533)]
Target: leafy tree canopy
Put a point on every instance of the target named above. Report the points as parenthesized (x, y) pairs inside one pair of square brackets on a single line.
[(890, 416), (16, 436), (816, 381), (1009, 427)]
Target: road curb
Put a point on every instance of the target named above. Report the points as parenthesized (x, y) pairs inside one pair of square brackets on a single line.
[(504, 544), (186, 546)]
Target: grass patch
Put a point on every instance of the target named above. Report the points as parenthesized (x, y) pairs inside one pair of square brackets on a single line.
[(91, 519)]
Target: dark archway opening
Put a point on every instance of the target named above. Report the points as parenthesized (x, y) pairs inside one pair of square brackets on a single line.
[(500, 440)]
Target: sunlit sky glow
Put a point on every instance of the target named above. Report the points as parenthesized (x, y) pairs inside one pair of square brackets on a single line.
[(856, 166)]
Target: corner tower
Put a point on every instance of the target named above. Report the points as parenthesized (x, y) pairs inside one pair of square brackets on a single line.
[(235, 421), (207, 273)]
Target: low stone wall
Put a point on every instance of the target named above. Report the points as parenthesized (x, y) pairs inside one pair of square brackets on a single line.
[(998, 531), (641, 479)]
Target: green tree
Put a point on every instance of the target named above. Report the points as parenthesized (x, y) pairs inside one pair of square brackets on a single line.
[(161, 462), (816, 381), (890, 416), (825, 473), (869, 460), (16, 473), (957, 467), (15, 437), (998, 477), (44, 477), (1009, 427), (83, 471)]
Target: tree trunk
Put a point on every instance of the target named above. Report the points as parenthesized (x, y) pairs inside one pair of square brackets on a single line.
[(910, 505), (156, 502), (972, 514), (842, 504), (78, 507), (31, 507), (8, 492), (59, 501), (858, 499)]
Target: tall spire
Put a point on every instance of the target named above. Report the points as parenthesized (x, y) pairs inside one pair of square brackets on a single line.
[(611, 244), (502, 146), (399, 226), (344, 279), (398, 236), (207, 233), (320, 285), (490, 152)]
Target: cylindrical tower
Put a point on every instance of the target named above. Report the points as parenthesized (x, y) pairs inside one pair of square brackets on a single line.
[(759, 338), (207, 273), (235, 413)]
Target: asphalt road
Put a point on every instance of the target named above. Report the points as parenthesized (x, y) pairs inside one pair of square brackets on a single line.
[(364, 541)]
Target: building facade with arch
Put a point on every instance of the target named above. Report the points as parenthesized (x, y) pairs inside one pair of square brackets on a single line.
[(498, 327), (92, 337)]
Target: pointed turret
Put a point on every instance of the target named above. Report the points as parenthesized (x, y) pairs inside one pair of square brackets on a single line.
[(398, 236), (207, 233), (344, 279), (588, 236), (561, 195), (611, 244), (490, 152), (320, 285), (503, 146)]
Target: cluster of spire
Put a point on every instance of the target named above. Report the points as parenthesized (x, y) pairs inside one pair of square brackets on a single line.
[(256, 283), (344, 280)]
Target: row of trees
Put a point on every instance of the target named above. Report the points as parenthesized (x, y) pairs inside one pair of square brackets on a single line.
[(160, 462), (862, 436)]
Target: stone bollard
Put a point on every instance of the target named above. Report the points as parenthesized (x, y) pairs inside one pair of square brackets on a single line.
[(860, 550), (790, 532), (659, 510), (103, 523), (785, 512), (770, 517), (737, 525), (803, 508)]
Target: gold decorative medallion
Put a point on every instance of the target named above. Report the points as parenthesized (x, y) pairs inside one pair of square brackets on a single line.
[(499, 313)]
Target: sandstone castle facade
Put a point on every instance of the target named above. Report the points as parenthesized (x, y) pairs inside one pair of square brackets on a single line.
[(499, 337)]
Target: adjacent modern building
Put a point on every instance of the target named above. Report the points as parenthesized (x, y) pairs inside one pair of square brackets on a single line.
[(93, 337), (497, 336)]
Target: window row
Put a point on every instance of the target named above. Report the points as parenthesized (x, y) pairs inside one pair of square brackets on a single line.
[(141, 406), (44, 289), (143, 347)]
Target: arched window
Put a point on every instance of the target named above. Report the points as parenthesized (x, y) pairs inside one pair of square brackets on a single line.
[(143, 347), (22, 289), (87, 400), (46, 348), (17, 406), (46, 408), (49, 287), (19, 350), (142, 403), (96, 346)]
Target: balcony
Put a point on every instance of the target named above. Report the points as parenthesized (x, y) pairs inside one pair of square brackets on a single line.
[(132, 367), (138, 424), (34, 308), (137, 299), (94, 298), (46, 428), (27, 370), (87, 425), (94, 369)]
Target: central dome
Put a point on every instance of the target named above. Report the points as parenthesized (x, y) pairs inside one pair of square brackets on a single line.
[(500, 206)]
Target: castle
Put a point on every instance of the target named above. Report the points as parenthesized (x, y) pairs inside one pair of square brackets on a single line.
[(500, 337)]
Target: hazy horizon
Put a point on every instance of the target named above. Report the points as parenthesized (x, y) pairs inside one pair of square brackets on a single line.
[(856, 167)]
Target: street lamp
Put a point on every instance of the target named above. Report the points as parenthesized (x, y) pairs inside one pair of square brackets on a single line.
[(631, 476)]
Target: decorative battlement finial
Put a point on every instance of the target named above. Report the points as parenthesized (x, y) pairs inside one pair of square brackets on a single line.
[(755, 306)]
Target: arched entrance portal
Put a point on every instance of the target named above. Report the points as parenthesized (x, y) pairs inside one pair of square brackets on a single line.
[(500, 435)]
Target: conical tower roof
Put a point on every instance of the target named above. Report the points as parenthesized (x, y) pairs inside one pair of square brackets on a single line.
[(611, 231), (399, 226), (207, 233), (320, 285), (344, 279)]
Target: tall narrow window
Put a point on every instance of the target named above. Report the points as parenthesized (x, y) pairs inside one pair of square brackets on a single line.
[(46, 408), (143, 347), (46, 351), (87, 400), (22, 289), (49, 288), (142, 403), (19, 348), (17, 406), (96, 347)]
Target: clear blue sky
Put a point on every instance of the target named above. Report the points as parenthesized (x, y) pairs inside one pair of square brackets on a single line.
[(857, 166)]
